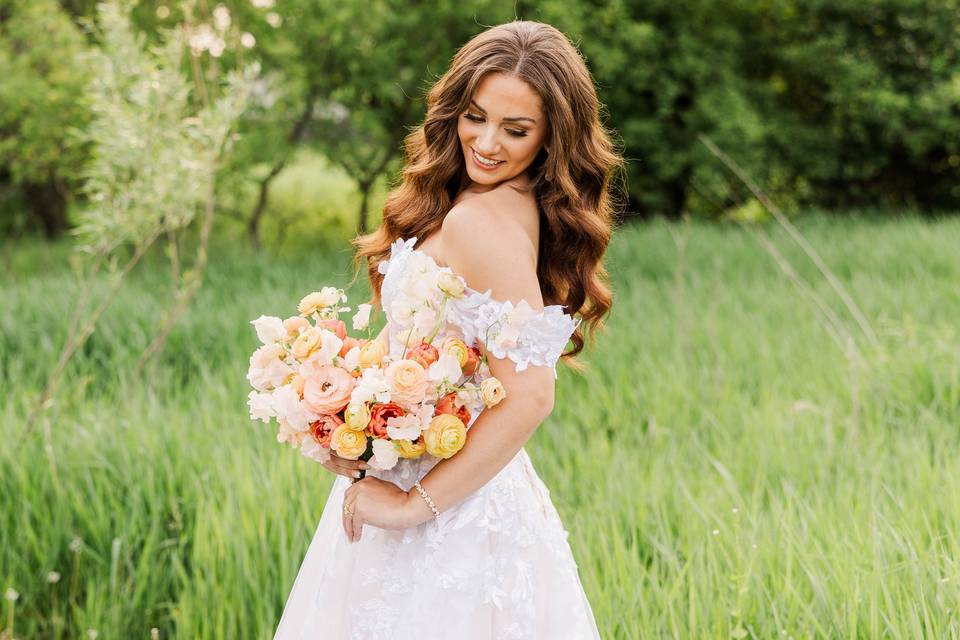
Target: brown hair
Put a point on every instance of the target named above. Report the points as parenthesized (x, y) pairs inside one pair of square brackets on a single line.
[(571, 183)]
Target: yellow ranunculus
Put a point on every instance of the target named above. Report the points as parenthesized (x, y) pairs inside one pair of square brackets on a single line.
[(326, 297), (451, 284), (445, 436), (492, 391), (457, 348), (306, 343), (410, 449), (347, 442), (357, 416), (372, 353)]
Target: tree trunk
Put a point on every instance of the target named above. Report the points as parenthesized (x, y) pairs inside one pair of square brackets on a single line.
[(365, 188), (47, 203)]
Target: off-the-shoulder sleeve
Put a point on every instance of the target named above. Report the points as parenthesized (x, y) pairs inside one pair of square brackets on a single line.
[(518, 332)]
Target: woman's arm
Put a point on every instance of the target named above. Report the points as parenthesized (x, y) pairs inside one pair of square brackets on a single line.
[(490, 251)]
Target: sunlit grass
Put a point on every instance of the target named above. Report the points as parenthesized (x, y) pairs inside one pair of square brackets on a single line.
[(723, 469)]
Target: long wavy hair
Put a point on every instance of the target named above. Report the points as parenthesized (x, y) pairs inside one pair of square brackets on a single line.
[(572, 183)]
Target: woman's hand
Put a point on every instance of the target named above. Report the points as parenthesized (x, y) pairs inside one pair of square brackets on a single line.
[(345, 467), (378, 503)]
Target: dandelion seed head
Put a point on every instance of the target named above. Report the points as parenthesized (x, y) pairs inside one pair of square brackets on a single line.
[(154, 633), (11, 595), (163, 12), (53, 577), (92, 634), (76, 544), (716, 532), (273, 19)]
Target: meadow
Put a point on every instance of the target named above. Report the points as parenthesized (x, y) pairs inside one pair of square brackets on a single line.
[(724, 468)]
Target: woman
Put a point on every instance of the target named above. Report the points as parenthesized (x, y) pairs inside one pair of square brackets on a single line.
[(507, 183)]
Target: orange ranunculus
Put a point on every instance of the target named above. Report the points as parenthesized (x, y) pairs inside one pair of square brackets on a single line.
[(424, 353), (322, 429), (379, 414), (473, 360), (448, 404)]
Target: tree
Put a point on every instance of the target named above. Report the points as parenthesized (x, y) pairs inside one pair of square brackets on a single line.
[(41, 105)]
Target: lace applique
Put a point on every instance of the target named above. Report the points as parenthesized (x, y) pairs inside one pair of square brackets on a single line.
[(519, 332)]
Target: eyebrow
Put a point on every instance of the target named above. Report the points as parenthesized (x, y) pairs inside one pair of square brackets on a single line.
[(515, 119)]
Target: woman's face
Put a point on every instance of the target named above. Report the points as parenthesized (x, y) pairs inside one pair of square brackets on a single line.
[(504, 125)]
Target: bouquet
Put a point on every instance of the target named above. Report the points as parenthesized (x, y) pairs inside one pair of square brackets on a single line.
[(330, 391)]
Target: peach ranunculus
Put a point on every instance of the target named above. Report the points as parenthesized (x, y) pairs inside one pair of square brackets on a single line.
[(445, 436), (379, 414), (448, 404), (357, 416), (348, 443), (328, 389), (294, 325), (322, 429), (457, 348), (372, 353), (492, 391), (410, 449), (336, 326), (408, 382), (424, 353)]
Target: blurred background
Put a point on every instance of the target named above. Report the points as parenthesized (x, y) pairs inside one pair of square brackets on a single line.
[(764, 441)]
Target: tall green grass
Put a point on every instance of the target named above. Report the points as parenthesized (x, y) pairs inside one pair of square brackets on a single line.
[(723, 469)]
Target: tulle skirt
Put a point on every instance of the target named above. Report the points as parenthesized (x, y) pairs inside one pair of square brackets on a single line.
[(495, 567)]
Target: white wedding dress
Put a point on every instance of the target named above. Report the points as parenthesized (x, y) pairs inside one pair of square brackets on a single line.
[(497, 566)]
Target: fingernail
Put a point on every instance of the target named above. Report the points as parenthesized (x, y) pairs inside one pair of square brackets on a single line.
[(356, 474)]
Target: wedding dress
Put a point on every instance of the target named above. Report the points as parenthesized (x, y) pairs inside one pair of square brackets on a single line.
[(497, 566)]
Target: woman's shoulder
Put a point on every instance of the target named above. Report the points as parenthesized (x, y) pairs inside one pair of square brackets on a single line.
[(502, 214)]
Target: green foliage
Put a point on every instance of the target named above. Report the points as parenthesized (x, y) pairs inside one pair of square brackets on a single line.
[(156, 150), (41, 100), (833, 103)]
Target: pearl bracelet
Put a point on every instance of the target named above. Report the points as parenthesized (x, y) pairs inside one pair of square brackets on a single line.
[(423, 494)]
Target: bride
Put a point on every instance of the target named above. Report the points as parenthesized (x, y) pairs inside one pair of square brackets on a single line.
[(507, 184)]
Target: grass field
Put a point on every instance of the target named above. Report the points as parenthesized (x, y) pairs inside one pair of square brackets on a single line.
[(723, 467)]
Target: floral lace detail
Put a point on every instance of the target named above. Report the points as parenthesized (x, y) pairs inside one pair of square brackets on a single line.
[(518, 332), (504, 548)]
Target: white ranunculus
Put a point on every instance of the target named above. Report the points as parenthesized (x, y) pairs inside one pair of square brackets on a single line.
[(269, 329), (261, 406), (288, 405), (361, 319), (267, 371), (312, 449), (447, 367), (385, 454)]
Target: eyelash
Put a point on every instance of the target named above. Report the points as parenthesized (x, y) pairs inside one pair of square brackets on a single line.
[(514, 133)]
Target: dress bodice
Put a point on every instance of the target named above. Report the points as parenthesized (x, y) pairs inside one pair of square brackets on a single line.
[(519, 332)]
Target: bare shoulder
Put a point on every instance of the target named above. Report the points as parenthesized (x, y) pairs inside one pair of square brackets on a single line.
[(488, 240)]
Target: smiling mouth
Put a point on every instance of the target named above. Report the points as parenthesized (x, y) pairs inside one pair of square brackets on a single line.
[(483, 160)]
